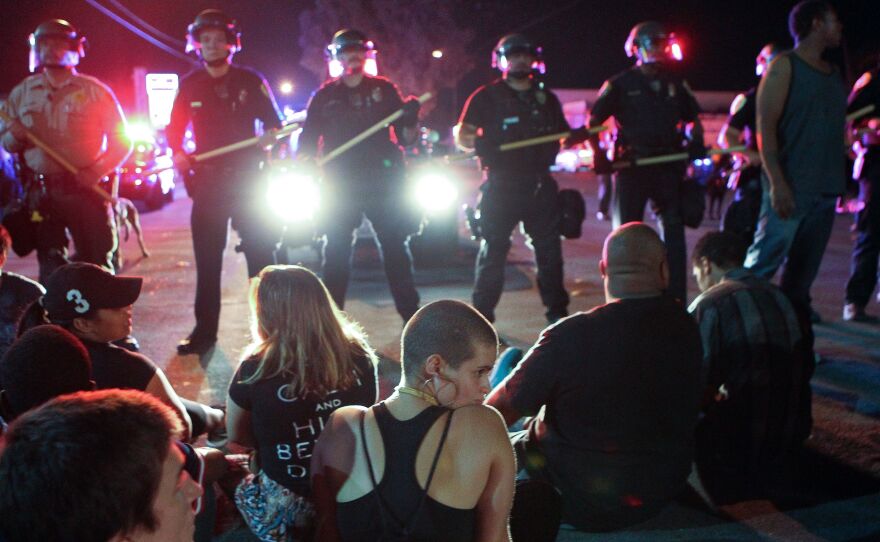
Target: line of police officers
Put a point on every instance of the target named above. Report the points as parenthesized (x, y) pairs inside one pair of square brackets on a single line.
[(654, 110)]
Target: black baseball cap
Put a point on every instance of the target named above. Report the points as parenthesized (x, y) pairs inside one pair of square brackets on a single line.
[(77, 290)]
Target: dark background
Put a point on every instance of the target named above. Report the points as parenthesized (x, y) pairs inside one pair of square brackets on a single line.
[(583, 40)]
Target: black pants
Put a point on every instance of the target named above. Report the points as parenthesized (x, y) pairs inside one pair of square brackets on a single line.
[(661, 184), (383, 201), (220, 196), (88, 218), (504, 203), (863, 269), (741, 216)]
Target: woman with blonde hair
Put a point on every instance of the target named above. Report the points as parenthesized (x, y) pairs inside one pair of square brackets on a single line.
[(307, 359)]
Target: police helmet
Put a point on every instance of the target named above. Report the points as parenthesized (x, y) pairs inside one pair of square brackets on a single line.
[(765, 57), (57, 28), (213, 18), (649, 41), (348, 39), (516, 43)]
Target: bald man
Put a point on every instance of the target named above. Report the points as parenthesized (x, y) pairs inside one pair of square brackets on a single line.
[(614, 393)]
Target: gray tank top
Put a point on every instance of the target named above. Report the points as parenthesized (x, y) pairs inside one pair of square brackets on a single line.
[(811, 131)]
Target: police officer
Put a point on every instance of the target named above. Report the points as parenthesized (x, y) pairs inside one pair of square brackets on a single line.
[(863, 270), (367, 180), (741, 217), (649, 102), (222, 101), (74, 114), (517, 186)]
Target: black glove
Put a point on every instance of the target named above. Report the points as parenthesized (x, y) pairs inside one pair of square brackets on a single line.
[(601, 164), (488, 152), (697, 151), (578, 135), (411, 108)]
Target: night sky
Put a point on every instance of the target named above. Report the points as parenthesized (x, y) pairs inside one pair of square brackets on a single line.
[(583, 40)]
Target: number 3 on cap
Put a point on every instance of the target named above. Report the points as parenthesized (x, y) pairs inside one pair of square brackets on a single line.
[(82, 306)]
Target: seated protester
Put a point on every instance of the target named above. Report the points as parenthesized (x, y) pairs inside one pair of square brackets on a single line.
[(96, 306), (45, 362), (16, 294), (97, 466), (307, 360), (756, 404), (430, 463), (614, 393)]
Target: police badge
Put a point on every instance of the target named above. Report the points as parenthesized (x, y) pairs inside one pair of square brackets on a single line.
[(541, 96), (377, 94)]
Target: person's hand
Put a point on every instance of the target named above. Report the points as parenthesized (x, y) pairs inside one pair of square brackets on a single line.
[(697, 151), (782, 200), (268, 138), (752, 158), (182, 161), (88, 177), (17, 129), (601, 164), (578, 135), (411, 108), (488, 151)]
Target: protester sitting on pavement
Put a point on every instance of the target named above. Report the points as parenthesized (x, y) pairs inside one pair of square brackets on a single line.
[(614, 393), (430, 463), (97, 466), (45, 362), (307, 359), (16, 293), (756, 404), (96, 306)]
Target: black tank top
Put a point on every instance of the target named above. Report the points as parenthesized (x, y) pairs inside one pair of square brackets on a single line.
[(398, 508)]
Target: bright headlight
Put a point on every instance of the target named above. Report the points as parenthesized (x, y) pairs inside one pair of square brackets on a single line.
[(293, 195), (435, 192)]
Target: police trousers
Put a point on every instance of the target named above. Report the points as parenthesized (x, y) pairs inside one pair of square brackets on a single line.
[(863, 268), (661, 184), (88, 218), (505, 202), (221, 196), (383, 202)]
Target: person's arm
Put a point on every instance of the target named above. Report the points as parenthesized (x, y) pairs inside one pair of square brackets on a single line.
[(13, 134), (406, 127), (118, 144), (309, 138), (772, 94), (332, 464), (239, 426), (601, 111), (160, 388), (531, 384), (496, 500), (176, 129), (470, 121)]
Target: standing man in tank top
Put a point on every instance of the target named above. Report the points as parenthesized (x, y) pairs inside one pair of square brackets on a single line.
[(801, 121)]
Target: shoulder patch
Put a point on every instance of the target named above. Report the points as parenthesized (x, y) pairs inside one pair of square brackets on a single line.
[(738, 103), (862, 82)]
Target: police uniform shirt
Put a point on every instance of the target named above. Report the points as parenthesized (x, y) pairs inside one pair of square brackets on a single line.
[(73, 119), (647, 109), (222, 111), (506, 115), (337, 113), (744, 116), (866, 92)]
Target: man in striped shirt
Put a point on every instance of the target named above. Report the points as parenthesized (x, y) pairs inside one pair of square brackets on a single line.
[(757, 363)]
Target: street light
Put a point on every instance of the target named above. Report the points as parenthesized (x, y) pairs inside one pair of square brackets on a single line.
[(437, 53), (286, 87)]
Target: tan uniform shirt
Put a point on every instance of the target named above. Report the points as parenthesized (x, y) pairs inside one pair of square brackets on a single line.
[(81, 120)]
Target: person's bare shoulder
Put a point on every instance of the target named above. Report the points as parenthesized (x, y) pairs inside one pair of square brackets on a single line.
[(481, 421)]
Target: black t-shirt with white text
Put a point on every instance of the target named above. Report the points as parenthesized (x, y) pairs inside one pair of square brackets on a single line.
[(286, 428)]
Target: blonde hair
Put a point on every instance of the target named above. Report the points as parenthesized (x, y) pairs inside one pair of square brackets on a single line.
[(299, 333)]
